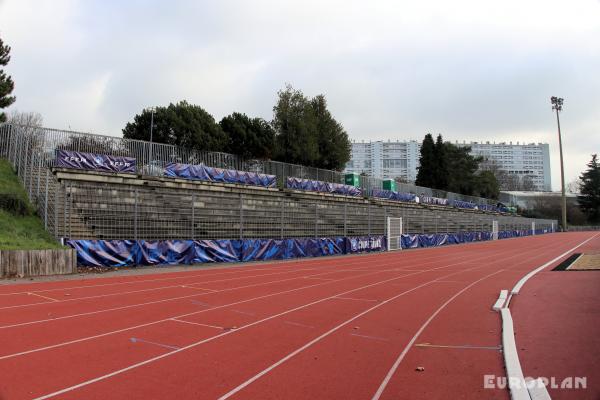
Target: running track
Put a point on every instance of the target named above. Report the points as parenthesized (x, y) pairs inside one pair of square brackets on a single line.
[(332, 328)]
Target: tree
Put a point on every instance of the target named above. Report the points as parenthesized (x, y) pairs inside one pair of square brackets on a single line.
[(463, 167), (6, 83), (248, 137), (334, 144), (441, 173), (26, 119), (486, 185), (427, 166), (527, 184), (180, 124), (295, 124), (589, 199)]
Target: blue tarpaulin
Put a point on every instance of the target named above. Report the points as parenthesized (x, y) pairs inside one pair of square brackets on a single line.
[(393, 195), (320, 186), (96, 162), (464, 204), (433, 200), (122, 253), (204, 173)]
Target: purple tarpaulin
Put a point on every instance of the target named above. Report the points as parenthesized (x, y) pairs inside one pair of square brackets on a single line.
[(96, 162)]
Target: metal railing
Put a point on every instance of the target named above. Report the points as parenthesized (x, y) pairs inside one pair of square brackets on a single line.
[(87, 210), (153, 157)]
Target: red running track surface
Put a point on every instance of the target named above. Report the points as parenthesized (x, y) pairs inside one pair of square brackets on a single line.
[(352, 327)]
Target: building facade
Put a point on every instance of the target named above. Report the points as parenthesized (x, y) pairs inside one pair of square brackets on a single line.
[(401, 159)]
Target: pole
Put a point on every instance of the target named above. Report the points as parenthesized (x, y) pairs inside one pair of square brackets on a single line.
[(562, 176), (150, 149)]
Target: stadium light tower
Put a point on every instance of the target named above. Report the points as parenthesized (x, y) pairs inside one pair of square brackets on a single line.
[(557, 104), (152, 110)]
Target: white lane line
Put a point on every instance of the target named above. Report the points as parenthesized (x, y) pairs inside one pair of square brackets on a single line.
[(195, 323), (242, 312), (514, 373), (501, 300), (167, 319), (203, 282), (155, 289), (38, 295), (151, 360), (464, 346), (298, 324), (392, 370), (320, 265), (329, 332), (354, 299), (218, 307), (370, 337), (166, 346), (524, 279)]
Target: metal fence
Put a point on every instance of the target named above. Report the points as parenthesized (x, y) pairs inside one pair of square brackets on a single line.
[(160, 210), (22, 141), (89, 210)]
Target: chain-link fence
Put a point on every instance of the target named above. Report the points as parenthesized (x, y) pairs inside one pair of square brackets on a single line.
[(92, 210)]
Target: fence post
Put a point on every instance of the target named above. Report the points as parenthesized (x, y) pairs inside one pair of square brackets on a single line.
[(46, 203), (241, 217), (345, 219), (193, 208), (56, 194), (316, 220), (282, 208), (369, 218), (39, 172), (135, 215)]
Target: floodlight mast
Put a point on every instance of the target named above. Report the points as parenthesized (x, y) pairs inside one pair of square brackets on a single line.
[(557, 103)]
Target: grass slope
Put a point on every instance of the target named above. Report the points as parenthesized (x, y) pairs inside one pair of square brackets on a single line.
[(20, 232)]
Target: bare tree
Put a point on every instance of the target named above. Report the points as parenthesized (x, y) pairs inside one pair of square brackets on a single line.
[(29, 119), (574, 186), (527, 184)]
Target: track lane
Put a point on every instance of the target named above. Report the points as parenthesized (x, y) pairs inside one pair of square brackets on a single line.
[(356, 303)]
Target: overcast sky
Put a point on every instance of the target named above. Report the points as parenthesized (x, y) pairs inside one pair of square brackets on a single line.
[(471, 70)]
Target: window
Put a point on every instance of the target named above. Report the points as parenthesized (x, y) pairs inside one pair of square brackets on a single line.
[(394, 163)]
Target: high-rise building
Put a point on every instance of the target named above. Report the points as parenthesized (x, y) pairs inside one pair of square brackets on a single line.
[(401, 159)]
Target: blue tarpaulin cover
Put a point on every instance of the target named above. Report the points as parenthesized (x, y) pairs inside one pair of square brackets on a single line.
[(433, 200), (204, 173), (393, 195), (122, 253), (320, 186), (96, 162), (464, 204)]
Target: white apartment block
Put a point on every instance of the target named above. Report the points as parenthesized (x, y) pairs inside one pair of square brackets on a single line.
[(401, 159)]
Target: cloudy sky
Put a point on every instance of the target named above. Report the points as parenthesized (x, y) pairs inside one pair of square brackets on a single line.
[(471, 70)]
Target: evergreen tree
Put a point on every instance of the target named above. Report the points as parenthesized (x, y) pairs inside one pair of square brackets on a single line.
[(180, 124), (440, 179), (248, 137), (427, 164), (296, 126), (6, 83), (334, 144), (589, 199)]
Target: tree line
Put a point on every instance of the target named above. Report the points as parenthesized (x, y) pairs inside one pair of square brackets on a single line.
[(445, 166), (303, 131)]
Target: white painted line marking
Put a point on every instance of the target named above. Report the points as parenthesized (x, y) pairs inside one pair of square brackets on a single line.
[(514, 373), (166, 346), (354, 299), (537, 390), (464, 346), (190, 286), (242, 312), (370, 337), (228, 332), (394, 367), (321, 279), (524, 279), (334, 329), (298, 324), (501, 300), (196, 323), (43, 297)]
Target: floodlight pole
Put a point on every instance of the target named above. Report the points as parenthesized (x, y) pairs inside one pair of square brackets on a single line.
[(557, 105)]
